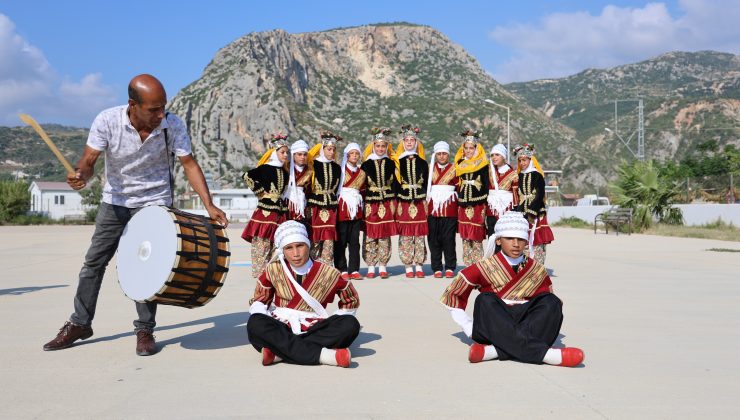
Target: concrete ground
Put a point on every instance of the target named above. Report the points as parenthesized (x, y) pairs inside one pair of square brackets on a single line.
[(658, 318)]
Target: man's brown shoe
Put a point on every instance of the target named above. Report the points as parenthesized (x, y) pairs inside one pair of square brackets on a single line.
[(68, 334), (145, 345)]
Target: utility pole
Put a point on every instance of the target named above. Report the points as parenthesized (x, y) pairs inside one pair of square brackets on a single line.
[(640, 131)]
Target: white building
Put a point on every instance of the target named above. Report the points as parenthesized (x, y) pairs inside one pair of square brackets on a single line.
[(237, 203), (56, 200)]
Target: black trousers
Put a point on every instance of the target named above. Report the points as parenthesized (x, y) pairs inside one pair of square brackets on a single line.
[(335, 332), (490, 225), (348, 233), (520, 332), (441, 238)]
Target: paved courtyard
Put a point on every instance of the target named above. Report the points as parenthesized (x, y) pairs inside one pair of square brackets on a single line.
[(658, 319)]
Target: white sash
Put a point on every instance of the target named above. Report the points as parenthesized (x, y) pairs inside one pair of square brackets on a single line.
[(351, 198), (295, 316), (441, 196), (498, 200)]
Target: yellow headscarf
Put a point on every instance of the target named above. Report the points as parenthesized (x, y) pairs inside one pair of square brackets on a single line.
[(369, 150), (468, 166), (534, 162), (399, 150), (266, 157)]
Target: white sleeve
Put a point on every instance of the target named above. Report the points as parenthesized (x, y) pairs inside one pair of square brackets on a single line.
[(258, 308), (346, 312), (180, 139), (99, 134), (463, 320)]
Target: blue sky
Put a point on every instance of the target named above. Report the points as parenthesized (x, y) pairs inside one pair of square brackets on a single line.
[(65, 61)]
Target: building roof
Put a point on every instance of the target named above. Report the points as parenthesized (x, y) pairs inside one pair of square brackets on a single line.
[(52, 186)]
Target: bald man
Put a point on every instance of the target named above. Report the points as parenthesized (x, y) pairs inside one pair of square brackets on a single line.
[(140, 141)]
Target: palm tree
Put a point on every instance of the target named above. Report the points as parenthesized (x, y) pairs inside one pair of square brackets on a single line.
[(641, 187)]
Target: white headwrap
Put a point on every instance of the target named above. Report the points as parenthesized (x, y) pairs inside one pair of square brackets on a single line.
[(350, 196), (501, 150), (299, 146), (439, 195), (295, 196), (290, 232), (511, 225), (441, 146)]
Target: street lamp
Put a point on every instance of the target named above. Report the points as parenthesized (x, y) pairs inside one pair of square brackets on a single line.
[(508, 126)]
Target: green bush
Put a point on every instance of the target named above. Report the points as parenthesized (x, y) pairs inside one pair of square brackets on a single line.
[(31, 219), (14, 200), (641, 187), (573, 222)]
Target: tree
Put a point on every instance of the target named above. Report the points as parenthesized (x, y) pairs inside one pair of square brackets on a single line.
[(15, 199), (91, 196), (640, 186)]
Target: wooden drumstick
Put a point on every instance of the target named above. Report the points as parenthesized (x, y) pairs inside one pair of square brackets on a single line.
[(30, 121)]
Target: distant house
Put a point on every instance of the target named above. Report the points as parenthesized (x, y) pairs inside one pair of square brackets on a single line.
[(237, 203), (56, 200)]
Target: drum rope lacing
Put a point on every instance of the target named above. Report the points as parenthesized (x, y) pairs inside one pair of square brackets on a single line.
[(213, 252)]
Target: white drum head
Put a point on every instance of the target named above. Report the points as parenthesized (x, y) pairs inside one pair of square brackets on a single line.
[(147, 253)]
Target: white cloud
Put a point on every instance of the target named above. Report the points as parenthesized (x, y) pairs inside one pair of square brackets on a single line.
[(29, 84), (562, 44)]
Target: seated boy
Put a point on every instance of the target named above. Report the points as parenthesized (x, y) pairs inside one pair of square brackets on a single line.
[(288, 318), (516, 315)]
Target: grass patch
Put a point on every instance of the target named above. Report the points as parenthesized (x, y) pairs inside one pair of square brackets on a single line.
[(573, 222), (723, 250), (718, 230)]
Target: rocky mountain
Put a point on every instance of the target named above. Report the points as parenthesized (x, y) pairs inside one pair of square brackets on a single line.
[(349, 80), (24, 154), (689, 99)]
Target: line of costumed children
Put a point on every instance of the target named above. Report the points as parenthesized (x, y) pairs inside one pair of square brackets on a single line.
[(385, 192)]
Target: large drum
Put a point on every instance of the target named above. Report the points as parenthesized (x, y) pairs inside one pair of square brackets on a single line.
[(171, 257)]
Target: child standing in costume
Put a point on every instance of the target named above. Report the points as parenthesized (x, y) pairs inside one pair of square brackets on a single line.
[(351, 188), (380, 202), (532, 201), (267, 181), (411, 218), (322, 200), (442, 198), (471, 166)]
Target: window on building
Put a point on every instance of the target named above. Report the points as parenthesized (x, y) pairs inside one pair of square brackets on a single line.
[(61, 199), (226, 203), (56, 199)]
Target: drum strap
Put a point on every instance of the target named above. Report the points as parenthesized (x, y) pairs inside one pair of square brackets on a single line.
[(170, 163)]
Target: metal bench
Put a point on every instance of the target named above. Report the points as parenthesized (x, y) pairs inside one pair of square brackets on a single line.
[(615, 217)]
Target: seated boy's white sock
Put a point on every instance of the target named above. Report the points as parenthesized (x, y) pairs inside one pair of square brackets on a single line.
[(383, 269), (490, 353), (553, 357), (328, 357), (409, 269), (370, 269), (419, 268)]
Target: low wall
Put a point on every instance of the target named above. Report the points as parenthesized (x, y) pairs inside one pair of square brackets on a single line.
[(233, 215), (693, 214)]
